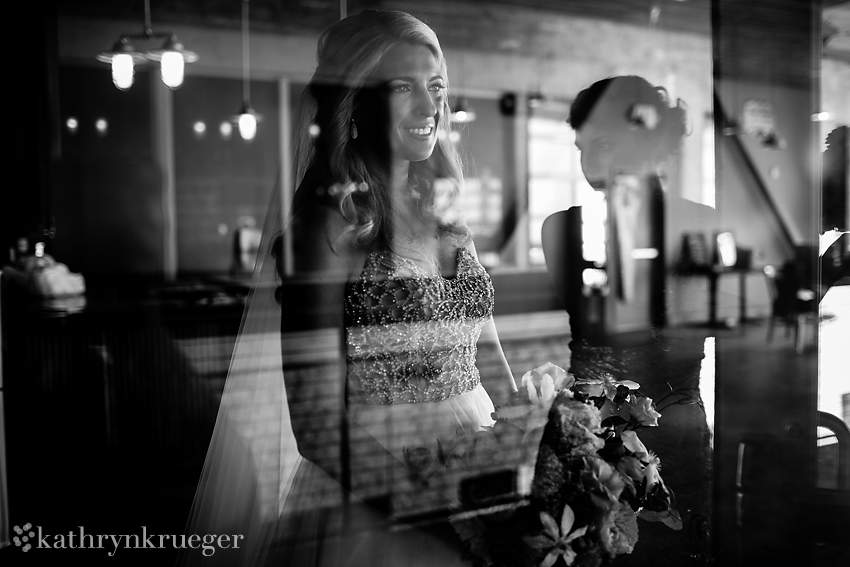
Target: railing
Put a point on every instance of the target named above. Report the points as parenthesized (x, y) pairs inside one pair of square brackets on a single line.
[(724, 125)]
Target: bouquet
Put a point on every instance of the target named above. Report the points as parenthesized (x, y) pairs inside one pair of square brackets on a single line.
[(582, 477)]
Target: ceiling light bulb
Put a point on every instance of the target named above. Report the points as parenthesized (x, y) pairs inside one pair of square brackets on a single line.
[(102, 126), (463, 113), (172, 66), (247, 125), (122, 70)]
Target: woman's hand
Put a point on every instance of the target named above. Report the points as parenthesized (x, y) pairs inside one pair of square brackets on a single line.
[(516, 398)]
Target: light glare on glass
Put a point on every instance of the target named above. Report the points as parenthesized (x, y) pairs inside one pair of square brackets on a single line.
[(226, 130), (199, 128), (72, 124), (101, 125)]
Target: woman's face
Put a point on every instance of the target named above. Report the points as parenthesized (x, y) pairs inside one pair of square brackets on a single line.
[(607, 152), (416, 96)]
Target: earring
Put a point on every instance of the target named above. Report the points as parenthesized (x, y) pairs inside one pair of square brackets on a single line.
[(353, 130)]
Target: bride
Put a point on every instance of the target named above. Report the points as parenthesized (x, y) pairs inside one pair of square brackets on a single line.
[(333, 459)]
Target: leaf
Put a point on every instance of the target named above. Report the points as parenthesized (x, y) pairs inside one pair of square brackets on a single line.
[(441, 454), (577, 534), (568, 518), (613, 421), (549, 524), (550, 559), (672, 520), (538, 542), (649, 515)]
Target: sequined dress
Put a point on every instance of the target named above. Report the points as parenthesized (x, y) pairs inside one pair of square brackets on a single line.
[(412, 380), (412, 386)]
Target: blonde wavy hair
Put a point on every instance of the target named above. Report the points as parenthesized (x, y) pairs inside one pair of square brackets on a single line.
[(344, 88)]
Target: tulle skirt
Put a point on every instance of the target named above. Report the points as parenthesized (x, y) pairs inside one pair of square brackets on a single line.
[(395, 511)]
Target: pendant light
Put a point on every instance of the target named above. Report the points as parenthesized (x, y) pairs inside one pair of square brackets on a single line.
[(123, 57), (462, 111), (247, 119)]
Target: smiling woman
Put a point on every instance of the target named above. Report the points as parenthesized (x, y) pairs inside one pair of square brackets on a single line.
[(417, 88), (315, 467)]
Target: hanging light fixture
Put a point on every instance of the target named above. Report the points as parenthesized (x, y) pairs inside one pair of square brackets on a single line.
[(247, 119), (462, 111), (123, 57)]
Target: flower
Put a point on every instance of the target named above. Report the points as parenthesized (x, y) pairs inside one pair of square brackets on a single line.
[(642, 410), (580, 424), (610, 384), (608, 478), (421, 464), (652, 472), (474, 449), (557, 541), (590, 388), (605, 472), (545, 381), (610, 409), (630, 468), (643, 467), (619, 533), (634, 444)]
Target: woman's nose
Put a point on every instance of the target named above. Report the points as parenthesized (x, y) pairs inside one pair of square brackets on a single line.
[(426, 105)]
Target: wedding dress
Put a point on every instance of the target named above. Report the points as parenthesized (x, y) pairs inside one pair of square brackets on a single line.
[(413, 395)]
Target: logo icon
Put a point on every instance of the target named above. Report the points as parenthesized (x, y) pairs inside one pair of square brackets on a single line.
[(23, 537)]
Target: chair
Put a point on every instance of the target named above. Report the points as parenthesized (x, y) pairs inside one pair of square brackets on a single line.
[(828, 506), (790, 305), (841, 432)]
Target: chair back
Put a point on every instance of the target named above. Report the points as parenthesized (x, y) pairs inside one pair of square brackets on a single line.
[(770, 278), (562, 250), (842, 436)]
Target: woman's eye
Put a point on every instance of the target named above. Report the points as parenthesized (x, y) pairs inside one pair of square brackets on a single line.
[(400, 88), (438, 87)]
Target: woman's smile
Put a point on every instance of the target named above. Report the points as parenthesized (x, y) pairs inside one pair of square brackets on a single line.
[(423, 133), (416, 85)]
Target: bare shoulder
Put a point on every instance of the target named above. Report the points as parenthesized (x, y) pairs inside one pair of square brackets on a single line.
[(457, 237)]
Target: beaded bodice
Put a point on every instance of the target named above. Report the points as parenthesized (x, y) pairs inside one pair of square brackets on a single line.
[(411, 336)]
